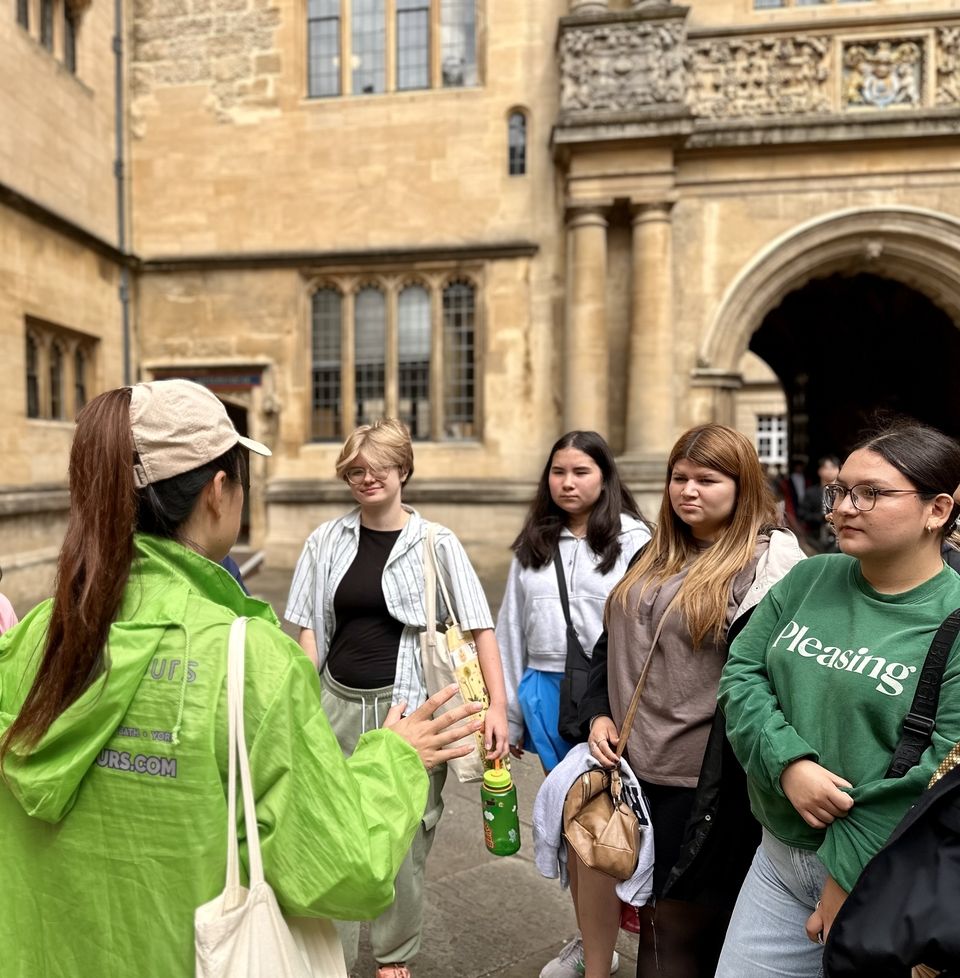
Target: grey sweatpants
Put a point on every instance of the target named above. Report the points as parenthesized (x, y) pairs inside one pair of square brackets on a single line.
[(395, 934)]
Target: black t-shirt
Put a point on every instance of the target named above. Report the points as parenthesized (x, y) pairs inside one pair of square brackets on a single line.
[(366, 643)]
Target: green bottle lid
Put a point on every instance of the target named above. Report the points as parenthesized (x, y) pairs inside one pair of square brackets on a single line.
[(497, 778)]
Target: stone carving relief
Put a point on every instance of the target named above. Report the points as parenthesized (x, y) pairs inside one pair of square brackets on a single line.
[(880, 74), (622, 67), (948, 66), (761, 76)]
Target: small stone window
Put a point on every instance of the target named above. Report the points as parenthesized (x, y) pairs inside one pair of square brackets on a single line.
[(326, 418), (413, 44), (46, 23), (56, 381), (517, 144), (23, 14), (79, 379), (370, 354), (69, 39)]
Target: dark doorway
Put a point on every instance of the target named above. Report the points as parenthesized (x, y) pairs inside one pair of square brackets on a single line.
[(847, 347), (238, 416)]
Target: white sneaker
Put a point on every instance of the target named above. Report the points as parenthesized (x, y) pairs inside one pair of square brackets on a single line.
[(569, 962)]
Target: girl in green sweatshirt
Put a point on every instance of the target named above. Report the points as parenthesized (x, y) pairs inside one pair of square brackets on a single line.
[(816, 689)]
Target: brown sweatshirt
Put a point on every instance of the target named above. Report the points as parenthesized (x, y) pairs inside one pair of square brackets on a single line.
[(669, 734)]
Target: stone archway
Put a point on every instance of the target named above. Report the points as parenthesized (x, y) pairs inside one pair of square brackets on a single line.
[(855, 311)]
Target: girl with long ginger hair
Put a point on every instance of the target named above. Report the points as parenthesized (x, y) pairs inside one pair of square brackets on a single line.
[(714, 553)]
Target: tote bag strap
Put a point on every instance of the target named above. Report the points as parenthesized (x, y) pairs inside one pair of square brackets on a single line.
[(238, 754), (432, 577)]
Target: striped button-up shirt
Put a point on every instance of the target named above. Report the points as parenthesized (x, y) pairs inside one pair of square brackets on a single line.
[(328, 554)]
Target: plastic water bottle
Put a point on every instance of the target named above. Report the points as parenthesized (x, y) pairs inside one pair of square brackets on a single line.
[(501, 822)]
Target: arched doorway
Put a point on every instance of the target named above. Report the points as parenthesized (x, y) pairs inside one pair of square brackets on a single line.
[(857, 312), (849, 349)]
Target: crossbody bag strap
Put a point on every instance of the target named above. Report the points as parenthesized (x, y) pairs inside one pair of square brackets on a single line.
[(919, 722), (641, 682), (564, 599)]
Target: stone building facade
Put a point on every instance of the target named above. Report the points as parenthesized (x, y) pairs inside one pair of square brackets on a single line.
[(502, 220)]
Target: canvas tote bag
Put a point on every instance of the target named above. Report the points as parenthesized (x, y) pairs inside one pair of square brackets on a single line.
[(242, 932), (450, 657)]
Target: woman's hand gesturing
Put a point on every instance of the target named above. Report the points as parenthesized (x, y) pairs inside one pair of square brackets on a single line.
[(431, 737)]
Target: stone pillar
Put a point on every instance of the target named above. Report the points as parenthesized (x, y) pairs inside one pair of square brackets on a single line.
[(650, 395), (586, 357), (589, 6)]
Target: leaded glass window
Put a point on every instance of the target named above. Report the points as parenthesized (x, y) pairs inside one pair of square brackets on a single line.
[(79, 379), (413, 44), (326, 420), (56, 381), (323, 47), (370, 344), (517, 139), (413, 329), (459, 44), (459, 349), (368, 47), (46, 24), (33, 379)]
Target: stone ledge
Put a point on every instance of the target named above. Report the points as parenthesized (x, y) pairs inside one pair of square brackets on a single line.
[(16, 501), (659, 11)]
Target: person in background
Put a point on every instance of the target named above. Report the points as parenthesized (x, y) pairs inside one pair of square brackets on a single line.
[(113, 717), (819, 533), (817, 687), (715, 551), (8, 617), (582, 511), (358, 597)]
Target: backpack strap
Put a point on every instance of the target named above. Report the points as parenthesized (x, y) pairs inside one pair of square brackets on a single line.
[(919, 723)]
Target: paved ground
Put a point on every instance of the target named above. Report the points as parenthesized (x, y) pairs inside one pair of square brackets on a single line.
[(485, 916)]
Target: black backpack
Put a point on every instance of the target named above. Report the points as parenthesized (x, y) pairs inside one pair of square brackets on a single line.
[(905, 907)]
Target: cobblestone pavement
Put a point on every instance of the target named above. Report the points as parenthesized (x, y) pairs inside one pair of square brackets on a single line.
[(485, 916)]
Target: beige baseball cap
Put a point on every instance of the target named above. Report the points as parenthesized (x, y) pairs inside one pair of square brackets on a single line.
[(177, 426)]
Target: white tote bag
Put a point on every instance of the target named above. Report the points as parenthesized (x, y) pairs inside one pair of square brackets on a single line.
[(242, 932), (451, 657)]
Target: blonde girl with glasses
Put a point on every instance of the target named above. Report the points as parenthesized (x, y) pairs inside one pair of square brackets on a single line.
[(817, 687), (716, 549), (358, 598)]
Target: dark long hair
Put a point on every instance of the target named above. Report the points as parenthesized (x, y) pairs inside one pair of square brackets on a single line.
[(927, 457), (537, 541), (94, 563)]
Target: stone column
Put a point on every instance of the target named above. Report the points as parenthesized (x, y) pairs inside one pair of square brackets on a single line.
[(589, 6), (650, 394), (586, 358)]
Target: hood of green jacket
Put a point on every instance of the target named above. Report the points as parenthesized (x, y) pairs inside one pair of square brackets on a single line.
[(45, 780)]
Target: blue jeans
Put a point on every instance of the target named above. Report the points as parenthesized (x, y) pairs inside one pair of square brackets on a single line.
[(766, 938)]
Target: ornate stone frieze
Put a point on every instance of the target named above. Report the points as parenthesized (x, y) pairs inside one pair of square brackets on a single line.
[(948, 66), (761, 76), (880, 74), (622, 67)]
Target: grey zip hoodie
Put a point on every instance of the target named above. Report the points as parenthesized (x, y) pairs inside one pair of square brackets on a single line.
[(531, 630)]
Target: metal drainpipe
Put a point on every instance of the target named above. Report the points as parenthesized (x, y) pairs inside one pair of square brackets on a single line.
[(118, 172)]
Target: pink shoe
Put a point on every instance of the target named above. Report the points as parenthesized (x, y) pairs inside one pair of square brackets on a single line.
[(393, 970)]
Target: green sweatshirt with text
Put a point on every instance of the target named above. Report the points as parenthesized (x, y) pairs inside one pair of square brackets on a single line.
[(827, 669), (114, 827)]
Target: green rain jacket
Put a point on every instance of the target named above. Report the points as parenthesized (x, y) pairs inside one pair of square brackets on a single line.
[(113, 829)]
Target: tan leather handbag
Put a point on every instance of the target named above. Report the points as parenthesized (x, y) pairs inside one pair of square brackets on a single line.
[(598, 824)]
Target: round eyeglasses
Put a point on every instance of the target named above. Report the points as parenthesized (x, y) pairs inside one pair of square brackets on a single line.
[(357, 476), (863, 497)]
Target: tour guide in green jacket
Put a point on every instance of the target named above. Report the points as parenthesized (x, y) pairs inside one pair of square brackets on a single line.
[(146, 813), (113, 718)]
